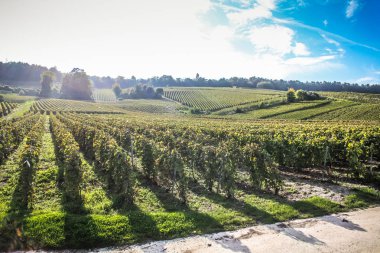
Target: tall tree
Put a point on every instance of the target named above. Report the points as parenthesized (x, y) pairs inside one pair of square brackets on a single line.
[(76, 85), (47, 79), (116, 89)]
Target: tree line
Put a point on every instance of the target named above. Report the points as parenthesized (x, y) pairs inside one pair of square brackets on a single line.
[(19, 71)]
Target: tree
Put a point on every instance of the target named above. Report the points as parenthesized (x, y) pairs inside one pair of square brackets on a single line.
[(160, 91), (76, 85), (1, 98), (116, 89), (291, 95), (47, 79), (301, 95)]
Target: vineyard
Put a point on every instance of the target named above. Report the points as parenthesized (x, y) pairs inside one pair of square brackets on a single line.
[(149, 105), (104, 95), (79, 180), (213, 99), (60, 105), (6, 108)]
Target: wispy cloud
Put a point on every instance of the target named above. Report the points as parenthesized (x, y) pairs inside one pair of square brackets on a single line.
[(331, 41), (321, 31), (351, 8), (325, 22)]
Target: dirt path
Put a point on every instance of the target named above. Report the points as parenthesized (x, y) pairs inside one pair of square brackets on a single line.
[(357, 231)]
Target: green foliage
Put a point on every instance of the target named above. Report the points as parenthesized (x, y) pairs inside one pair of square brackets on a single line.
[(291, 95), (47, 79), (76, 85), (68, 154), (142, 91), (116, 89), (302, 95), (99, 146)]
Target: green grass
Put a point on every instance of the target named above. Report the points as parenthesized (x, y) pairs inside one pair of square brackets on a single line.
[(62, 230), (46, 195), (156, 213)]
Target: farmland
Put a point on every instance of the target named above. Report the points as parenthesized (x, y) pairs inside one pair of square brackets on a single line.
[(77, 174), (212, 99)]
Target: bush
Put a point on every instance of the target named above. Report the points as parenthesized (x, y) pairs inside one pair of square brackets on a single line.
[(291, 95)]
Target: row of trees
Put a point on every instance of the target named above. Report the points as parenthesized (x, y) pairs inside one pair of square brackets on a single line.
[(301, 95), (139, 91), (18, 71)]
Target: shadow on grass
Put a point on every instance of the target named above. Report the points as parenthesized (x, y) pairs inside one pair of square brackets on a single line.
[(234, 204), (192, 222), (11, 237)]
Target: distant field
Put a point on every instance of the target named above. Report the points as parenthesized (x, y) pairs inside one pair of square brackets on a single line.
[(104, 95), (313, 113), (60, 105), (279, 110), (15, 98), (354, 96), (213, 99), (149, 105), (357, 112)]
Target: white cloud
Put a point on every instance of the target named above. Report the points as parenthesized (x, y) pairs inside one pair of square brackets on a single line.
[(351, 8), (307, 61), (300, 49), (272, 39), (325, 22), (261, 9), (367, 80)]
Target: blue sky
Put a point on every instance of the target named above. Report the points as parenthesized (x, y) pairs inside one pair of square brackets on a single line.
[(297, 39)]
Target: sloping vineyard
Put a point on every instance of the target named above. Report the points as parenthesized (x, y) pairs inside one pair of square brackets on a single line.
[(216, 99), (60, 105), (104, 95), (6, 108), (149, 105), (357, 112), (313, 113)]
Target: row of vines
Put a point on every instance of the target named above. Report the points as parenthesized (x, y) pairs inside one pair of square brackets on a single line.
[(6, 108), (176, 154)]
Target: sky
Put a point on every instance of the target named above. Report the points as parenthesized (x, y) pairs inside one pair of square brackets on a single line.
[(331, 40)]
